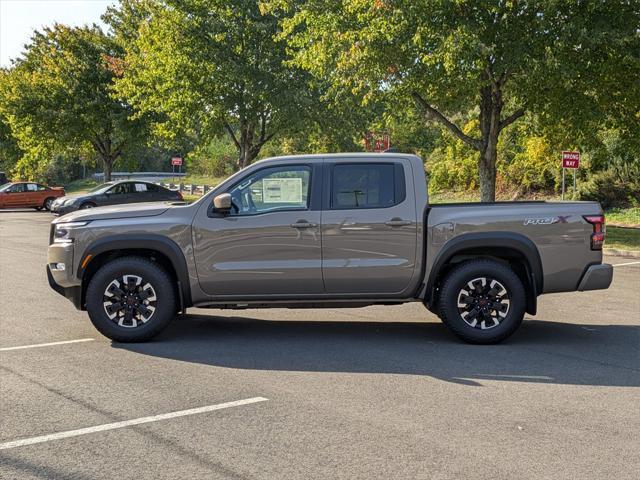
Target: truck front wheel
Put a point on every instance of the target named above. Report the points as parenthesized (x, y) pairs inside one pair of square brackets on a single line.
[(482, 301), (131, 299)]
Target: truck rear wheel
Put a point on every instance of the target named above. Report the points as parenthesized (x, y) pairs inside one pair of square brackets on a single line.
[(131, 299), (482, 301)]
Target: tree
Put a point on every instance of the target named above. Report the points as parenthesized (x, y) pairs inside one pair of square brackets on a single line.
[(210, 67), (60, 95), (571, 63)]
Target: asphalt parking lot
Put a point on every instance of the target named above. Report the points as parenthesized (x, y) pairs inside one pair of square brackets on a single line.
[(380, 392)]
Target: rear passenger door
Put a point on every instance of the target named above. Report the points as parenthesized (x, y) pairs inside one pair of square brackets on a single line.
[(142, 193), (369, 227)]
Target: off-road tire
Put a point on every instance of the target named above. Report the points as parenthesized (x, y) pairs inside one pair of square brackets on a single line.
[(452, 290), (165, 302)]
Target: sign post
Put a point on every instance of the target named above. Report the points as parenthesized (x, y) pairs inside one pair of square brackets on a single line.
[(176, 161), (570, 160)]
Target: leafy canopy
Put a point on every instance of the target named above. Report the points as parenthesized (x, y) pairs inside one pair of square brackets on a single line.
[(212, 66), (59, 96)]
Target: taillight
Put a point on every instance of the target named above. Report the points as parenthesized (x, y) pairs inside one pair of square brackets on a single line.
[(599, 230)]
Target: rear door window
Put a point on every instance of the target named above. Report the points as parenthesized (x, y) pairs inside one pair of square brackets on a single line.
[(366, 185)]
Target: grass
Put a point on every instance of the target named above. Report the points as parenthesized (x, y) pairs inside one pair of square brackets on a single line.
[(623, 216), (79, 186), (201, 180), (623, 238)]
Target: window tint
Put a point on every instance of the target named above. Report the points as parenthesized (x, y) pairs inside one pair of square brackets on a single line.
[(41, 188), (121, 189), (278, 188), (153, 187), (18, 188), (366, 185)]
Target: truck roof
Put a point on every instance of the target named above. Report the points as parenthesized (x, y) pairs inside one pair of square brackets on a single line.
[(351, 155)]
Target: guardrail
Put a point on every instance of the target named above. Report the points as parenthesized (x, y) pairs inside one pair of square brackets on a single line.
[(191, 189), (139, 175)]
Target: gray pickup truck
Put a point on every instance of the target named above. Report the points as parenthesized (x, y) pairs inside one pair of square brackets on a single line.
[(313, 231)]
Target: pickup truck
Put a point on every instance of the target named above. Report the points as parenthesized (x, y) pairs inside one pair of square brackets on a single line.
[(314, 231)]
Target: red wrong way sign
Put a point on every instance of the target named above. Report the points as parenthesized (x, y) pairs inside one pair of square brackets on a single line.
[(570, 159), (176, 161)]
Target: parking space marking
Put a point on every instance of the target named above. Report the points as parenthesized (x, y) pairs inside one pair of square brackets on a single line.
[(38, 345), (128, 423), (623, 264)]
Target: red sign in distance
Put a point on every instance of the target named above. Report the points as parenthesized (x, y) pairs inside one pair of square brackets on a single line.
[(570, 159), (176, 161)]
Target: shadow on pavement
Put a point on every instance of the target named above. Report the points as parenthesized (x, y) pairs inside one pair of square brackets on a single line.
[(540, 352)]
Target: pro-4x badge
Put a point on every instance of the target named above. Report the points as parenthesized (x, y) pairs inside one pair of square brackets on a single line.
[(547, 220)]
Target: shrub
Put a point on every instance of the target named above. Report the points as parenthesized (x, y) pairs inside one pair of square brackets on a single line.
[(610, 190)]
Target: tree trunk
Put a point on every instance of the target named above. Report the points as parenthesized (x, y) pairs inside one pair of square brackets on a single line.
[(487, 170), (490, 112), (107, 165)]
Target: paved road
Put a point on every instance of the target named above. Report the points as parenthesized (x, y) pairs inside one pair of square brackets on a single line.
[(381, 392)]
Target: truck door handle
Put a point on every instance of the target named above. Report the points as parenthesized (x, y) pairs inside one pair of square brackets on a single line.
[(304, 225), (398, 222)]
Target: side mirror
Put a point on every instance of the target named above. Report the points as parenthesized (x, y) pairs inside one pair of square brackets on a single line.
[(222, 202)]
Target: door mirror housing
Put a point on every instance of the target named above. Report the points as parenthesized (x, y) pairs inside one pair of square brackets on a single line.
[(222, 202)]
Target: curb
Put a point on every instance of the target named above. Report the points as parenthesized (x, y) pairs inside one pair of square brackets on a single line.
[(621, 253)]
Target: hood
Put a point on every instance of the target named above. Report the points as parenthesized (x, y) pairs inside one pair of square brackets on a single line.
[(69, 197), (116, 211)]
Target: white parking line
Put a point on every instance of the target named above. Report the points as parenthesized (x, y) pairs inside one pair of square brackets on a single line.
[(127, 423), (623, 264), (38, 345)]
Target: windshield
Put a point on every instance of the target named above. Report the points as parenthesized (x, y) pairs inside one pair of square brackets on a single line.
[(5, 187), (101, 187)]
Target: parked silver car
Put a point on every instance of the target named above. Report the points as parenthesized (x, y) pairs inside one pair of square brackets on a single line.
[(115, 193)]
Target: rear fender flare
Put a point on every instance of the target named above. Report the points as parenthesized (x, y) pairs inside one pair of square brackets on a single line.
[(485, 240)]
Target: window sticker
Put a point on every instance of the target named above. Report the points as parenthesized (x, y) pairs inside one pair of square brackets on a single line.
[(282, 190), (141, 187)]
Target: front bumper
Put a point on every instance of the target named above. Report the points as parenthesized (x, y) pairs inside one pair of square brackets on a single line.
[(596, 277), (63, 209), (63, 281), (73, 294)]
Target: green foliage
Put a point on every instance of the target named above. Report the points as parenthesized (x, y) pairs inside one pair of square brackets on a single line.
[(610, 189), (499, 59), (212, 67), (216, 158), (58, 98)]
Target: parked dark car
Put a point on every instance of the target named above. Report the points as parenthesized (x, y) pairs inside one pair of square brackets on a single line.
[(115, 193)]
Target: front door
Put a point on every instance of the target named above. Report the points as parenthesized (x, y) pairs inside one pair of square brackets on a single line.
[(17, 196), (369, 228), (269, 244), (119, 194)]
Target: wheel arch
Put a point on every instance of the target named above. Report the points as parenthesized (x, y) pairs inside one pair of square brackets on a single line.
[(156, 247), (512, 248)]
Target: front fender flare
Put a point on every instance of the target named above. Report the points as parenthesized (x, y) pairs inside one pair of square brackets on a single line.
[(158, 243)]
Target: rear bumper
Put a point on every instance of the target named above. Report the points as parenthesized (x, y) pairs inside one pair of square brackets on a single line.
[(596, 277)]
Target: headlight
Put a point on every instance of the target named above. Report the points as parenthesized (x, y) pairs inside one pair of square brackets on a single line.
[(63, 231)]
